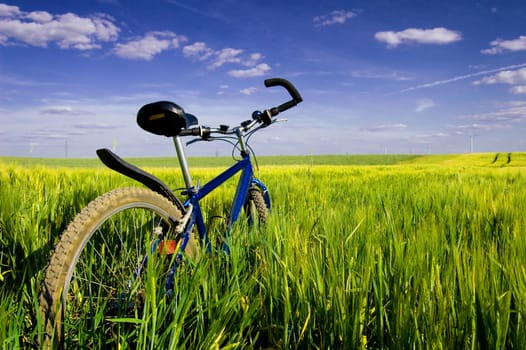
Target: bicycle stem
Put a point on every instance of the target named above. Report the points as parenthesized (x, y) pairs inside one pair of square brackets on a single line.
[(242, 144)]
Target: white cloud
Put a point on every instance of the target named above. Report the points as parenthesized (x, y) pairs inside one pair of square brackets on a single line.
[(437, 36), (500, 46), (335, 17), (505, 113), (253, 59), (388, 75), (199, 51), (40, 16), (460, 77), (71, 31), (460, 129), (105, 29), (68, 31), (95, 126), (59, 110), (256, 71), (248, 91), (147, 47), (228, 55), (511, 77), (516, 90), (386, 127), (223, 89), (424, 104), (7, 10)]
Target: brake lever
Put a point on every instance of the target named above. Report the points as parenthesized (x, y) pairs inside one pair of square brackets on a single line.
[(263, 125)]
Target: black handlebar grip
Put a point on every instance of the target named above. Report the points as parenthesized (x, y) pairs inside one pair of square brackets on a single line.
[(296, 97)]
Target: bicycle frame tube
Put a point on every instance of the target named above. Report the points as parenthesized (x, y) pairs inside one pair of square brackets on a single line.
[(246, 179), (196, 194), (182, 161)]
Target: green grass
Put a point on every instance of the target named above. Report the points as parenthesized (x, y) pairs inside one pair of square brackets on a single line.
[(168, 162), (421, 253), (506, 159), (471, 159)]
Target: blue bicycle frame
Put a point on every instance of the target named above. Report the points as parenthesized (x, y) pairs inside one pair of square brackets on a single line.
[(246, 180), (196, 194)]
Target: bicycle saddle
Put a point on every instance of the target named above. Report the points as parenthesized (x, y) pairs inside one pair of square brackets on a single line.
[(164, 118)]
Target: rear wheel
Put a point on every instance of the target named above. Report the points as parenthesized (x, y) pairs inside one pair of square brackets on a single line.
[(95, 280), (256, 208)]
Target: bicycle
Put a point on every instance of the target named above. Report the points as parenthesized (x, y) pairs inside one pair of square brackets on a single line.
[(96, 272)]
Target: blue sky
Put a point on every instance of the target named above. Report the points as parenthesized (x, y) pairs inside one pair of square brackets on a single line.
[(376, 76)]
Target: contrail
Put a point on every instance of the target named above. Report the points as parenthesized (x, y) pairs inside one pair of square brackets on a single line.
[(461, 77)]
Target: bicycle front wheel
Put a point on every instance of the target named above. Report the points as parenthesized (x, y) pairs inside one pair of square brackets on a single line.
[(95, 278)]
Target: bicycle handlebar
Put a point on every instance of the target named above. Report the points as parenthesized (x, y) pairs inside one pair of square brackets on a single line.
[(293, 92), (264, 117)]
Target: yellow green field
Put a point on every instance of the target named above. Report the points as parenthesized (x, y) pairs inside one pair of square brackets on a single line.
[(394, 252)]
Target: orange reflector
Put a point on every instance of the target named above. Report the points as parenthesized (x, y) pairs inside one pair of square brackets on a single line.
[(167, 247)]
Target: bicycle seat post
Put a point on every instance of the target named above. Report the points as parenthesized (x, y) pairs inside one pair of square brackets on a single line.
[(182, 162)]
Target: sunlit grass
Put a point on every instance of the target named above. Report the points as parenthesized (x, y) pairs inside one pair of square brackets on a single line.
[(208, 162), (429, 254)]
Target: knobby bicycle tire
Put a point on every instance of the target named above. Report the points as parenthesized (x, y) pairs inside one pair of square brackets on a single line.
[(256, 207), (97, 269)]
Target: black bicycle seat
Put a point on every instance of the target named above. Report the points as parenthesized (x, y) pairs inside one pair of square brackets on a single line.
[(164, 118)]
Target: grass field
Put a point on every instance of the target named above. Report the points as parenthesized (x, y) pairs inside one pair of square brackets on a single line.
[(360, 252), (206, 162), (478, 159)]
